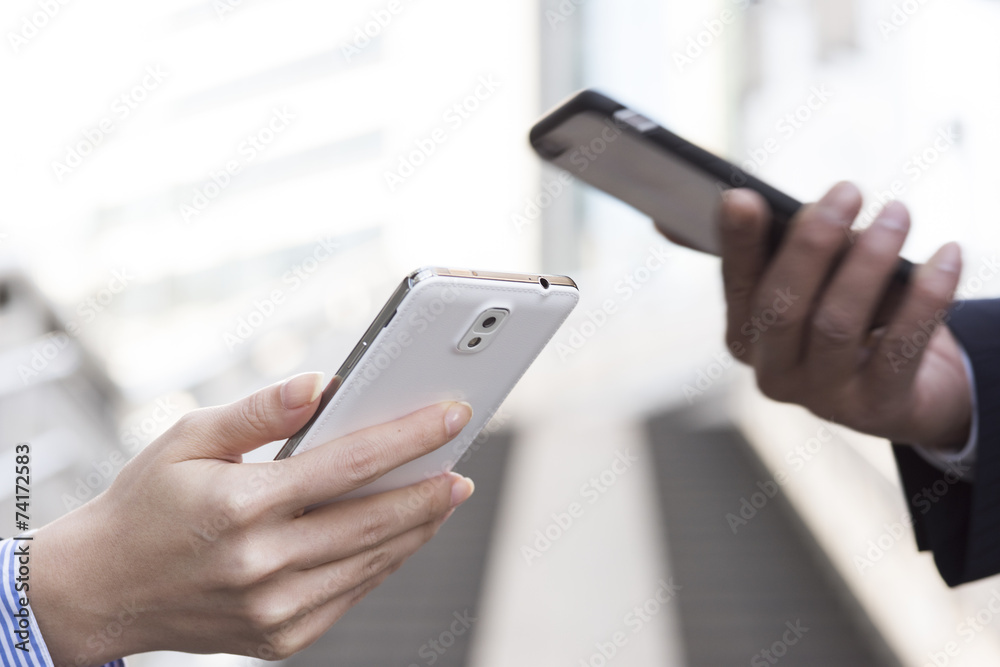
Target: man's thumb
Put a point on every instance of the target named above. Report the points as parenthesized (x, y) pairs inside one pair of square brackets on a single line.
[(273, 413)]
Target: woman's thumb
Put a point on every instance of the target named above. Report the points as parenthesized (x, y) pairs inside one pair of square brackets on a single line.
[(273, 413)]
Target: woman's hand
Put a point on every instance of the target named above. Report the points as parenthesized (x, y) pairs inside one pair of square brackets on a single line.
[(192, 550)]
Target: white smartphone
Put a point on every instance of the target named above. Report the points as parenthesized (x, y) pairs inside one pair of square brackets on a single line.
[(444, 335)]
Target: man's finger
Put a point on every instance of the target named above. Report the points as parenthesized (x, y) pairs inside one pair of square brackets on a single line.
[(743, 232), (795, 277), (348, 463), (924, 309), (842, 322)]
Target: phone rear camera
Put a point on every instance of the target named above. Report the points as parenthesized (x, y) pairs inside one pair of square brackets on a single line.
[(488, 322), (544, 283), (475, 342)]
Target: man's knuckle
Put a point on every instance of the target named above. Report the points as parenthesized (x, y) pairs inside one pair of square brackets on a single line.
[(817, 239), (834, 329), (782, 322), (737, 291)]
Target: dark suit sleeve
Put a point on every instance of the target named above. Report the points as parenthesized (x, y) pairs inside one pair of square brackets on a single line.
[(958, 521)]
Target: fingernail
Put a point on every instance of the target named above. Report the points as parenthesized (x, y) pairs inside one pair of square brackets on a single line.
[(457, 417), (840, 200), (301, 390), (461, 490), (734, 215), (894, 217), (949, 258)]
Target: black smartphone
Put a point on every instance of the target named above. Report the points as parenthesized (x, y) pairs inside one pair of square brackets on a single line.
[(632, 158)]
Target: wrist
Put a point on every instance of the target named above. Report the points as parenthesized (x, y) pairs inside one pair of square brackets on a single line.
[(950, 441), (71, 601)]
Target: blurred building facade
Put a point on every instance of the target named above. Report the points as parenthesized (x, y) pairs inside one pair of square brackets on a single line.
[(204, 197)]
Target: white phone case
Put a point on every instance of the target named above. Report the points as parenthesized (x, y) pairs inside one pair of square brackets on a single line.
[(421, 356)]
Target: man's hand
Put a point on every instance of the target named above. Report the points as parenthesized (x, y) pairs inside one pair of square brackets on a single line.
[(804, 319), (193, 550)]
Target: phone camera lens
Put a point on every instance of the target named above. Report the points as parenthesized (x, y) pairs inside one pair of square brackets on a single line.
[(488, 322), (544, 283), (475, 341)]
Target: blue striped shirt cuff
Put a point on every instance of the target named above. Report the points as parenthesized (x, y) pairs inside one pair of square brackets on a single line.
[(21, 643)]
